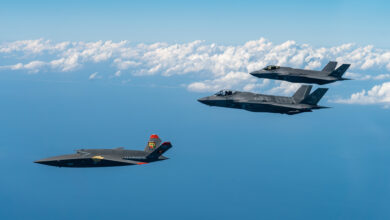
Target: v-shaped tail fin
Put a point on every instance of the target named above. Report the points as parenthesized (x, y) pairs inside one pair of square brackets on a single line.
[(153, 143), (301, 93), (339, 72), (160, 150), (315, 97), (331, 66)]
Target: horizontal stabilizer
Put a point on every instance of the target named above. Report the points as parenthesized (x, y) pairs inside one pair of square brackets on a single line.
[(330, 66)]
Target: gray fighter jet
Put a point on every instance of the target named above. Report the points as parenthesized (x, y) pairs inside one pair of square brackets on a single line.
[(111, 157), (301, 101), (327, 75)]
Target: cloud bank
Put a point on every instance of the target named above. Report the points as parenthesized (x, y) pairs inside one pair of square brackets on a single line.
[(210, 66), (379, 94)]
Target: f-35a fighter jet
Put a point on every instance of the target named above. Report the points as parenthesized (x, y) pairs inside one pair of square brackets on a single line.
[(301, 101), (111, 157), (327, 75)]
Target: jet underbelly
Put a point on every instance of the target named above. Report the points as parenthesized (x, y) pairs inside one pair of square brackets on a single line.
[(90, 162), (232, 104), (303, 78)]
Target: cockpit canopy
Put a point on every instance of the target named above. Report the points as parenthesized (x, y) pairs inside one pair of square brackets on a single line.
[(82, 152), (271, 67), (224, 93)]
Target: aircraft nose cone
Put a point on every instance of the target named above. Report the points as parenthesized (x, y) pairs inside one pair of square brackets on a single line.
[(41, 162), (204, 100), (255, 73), (47, 162)]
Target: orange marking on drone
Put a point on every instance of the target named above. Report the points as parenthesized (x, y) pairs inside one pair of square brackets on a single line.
[(140, 163), (154, 136)]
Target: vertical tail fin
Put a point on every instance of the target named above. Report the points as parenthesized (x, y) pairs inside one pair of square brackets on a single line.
[(315, 97), (301, 93), (340, 71), (331, 66), (153, 143), (160, 150)]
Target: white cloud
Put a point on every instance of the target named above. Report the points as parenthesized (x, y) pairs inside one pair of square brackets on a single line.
[(379, 94), (94, 76), (118, 73), (125, 64), (32, 46), (31, 67), (17, 66), (34, 65), (284, 88), (228, 81), (359, 76), (381, 77), (256, 86), (66, 63), (210, 66)]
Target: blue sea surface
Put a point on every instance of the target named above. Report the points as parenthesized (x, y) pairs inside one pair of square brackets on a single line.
[(224, 164)]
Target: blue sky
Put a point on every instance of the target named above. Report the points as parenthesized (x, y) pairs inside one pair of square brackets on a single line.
[(97, 75), (320, 23)]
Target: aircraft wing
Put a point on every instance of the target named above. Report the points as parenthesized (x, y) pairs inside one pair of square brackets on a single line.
[(292, 107), (287, 106), (320, 77), (117, 160)]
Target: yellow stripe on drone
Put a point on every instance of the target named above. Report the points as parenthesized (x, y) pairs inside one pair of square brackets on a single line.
[(97, 158), (152, 145)]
